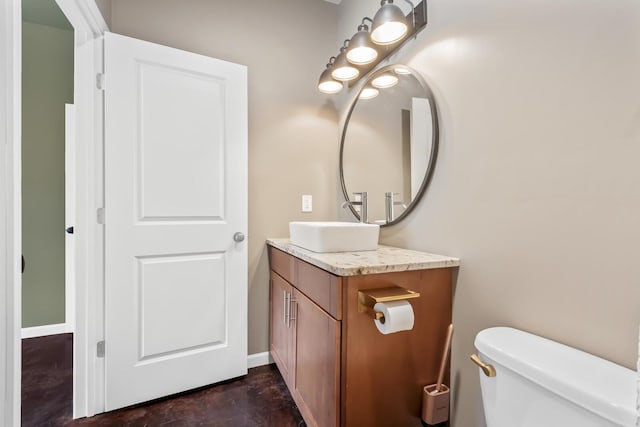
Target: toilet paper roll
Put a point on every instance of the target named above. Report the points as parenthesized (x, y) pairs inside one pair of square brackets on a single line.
[(398, 316)]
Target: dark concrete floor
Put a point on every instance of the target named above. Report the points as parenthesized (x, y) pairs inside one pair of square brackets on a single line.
[(259, 399), (47, 386)]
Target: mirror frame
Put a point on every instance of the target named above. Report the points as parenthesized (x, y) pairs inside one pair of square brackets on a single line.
[(435, 139)]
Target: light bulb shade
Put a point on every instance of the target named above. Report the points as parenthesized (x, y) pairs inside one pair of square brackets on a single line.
[(384, 81), (343, 70), (327, 84), (361, 50), (389, 24), (368, 93)]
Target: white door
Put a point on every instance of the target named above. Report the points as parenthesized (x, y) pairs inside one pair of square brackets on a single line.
[(69, 216), (175, 195)]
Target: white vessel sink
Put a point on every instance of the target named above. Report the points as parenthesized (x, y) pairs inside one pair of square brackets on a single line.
[(334, 236)]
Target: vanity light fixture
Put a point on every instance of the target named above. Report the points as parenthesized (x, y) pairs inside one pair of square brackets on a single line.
[(328, 84), (369, 92), (343, 70), (385, 80), (390, 28), (389, 24), (361, 50)]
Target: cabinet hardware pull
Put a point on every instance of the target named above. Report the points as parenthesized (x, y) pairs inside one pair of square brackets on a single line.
[(284, 307), (288, 308), (293, 303)]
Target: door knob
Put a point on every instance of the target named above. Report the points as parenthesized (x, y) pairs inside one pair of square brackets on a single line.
[(238, 237)]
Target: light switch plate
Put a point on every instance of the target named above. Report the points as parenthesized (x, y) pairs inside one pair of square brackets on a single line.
[(307, 203)]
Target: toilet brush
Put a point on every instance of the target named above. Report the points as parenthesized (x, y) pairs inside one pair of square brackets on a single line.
[(435, 397)]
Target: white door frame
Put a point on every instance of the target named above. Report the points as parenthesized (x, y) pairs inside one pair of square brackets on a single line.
[(89, 26), (10, 210), (88, 370)]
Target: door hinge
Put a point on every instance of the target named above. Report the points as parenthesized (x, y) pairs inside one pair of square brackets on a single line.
[(100, 81), (100, 215), (100, 349)]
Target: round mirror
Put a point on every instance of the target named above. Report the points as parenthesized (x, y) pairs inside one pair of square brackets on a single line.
[(389, 144)]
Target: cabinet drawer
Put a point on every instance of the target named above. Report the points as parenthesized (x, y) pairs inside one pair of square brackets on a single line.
[(282, 263), (321, 287)]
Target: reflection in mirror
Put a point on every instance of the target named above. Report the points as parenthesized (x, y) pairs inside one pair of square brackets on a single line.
[(389, 145)]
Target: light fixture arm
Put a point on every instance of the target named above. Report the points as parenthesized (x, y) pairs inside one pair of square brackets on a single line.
[(363, 25), (413, 12)]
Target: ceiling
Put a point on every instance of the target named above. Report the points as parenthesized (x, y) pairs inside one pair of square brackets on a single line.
[(333, 1), (44, 12)]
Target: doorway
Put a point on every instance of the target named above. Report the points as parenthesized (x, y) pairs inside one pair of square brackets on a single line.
[(47, 89), (89, 27), (89, 237), (47, 204)]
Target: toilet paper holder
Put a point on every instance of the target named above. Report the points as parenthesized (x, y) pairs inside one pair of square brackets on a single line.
[(368, 298)]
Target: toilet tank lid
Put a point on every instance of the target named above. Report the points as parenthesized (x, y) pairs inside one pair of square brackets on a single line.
[(595, 384)]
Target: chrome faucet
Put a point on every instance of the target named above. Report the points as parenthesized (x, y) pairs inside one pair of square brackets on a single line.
[(389, 203), (363, 203)]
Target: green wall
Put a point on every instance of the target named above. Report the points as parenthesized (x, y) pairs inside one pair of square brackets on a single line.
[(47, 84)]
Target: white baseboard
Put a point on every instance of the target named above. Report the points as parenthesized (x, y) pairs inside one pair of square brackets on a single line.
[(259, 359), (41, 331)]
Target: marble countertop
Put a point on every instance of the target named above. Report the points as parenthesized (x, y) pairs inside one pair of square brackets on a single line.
[(384, 260)]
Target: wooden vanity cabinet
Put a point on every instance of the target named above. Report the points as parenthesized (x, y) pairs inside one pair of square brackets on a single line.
[(340, 370), (305, 343)]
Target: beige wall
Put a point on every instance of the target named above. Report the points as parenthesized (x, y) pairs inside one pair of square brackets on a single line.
[(293, 142), (537, 187), (47, 84), (105, 10)]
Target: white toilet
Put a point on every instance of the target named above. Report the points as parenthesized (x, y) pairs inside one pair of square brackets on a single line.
[(541, 383)]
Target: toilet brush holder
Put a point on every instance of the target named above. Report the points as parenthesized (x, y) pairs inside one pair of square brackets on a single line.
[(435, 404)]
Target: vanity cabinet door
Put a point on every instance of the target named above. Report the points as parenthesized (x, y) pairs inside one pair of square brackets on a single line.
[(317, 369), (281, 326)]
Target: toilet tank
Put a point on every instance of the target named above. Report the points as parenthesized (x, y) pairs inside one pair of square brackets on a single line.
[(541, 383)]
